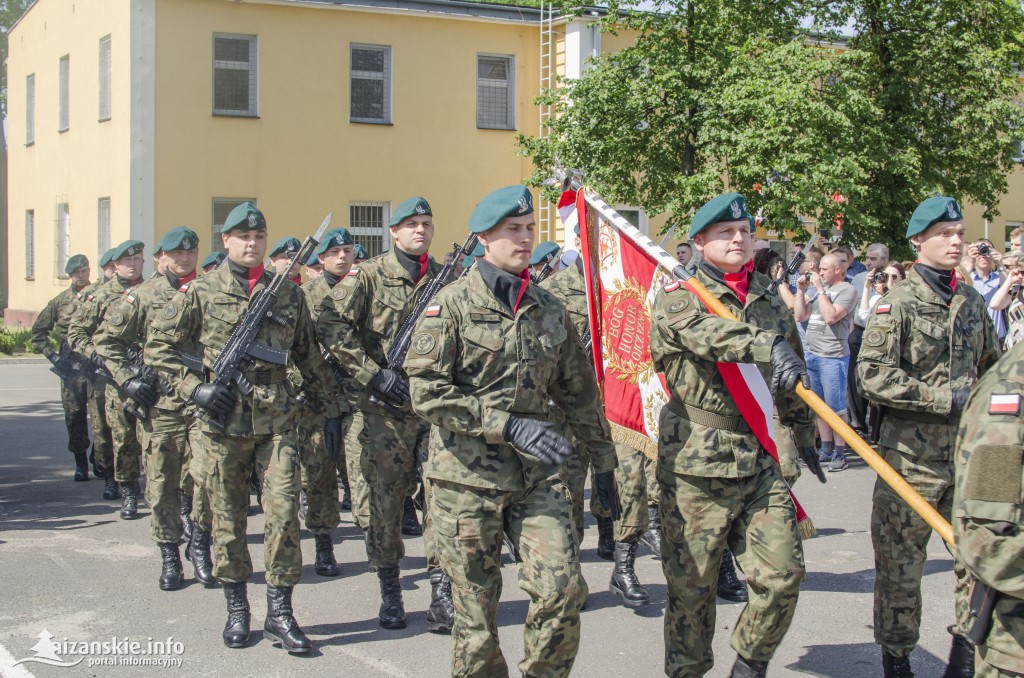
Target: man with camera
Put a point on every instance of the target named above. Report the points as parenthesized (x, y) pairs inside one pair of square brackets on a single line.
[(983, 263)]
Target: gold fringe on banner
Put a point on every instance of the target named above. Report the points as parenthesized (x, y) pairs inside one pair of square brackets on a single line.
[(631, 438)]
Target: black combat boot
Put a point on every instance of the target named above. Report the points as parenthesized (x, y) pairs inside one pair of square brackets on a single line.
[(441, 614), (730, 587), (186, 514), (280, 624), (392, 609), (130, 501), (346, 492), (961, 659), (652, 535), (895, 667), (81, 466), (110, 490), (410, 521), (326, 565), (198, 552), (303, 505), (605, 538), (236, 630), (624, 580), (170, 576), (749, 668)]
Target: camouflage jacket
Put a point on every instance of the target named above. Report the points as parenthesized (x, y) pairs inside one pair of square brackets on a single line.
[(127, 323), (988, 501), (315, 291), (916, 350), (56, 317), (361, 315), (206, 311), (92, 311), (472, 364), (702, 432), (568, 285)]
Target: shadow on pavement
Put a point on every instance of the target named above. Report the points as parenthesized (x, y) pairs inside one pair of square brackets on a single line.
[(862, 581), (858, 660)]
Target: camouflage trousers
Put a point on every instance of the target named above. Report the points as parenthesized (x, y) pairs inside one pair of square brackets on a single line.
[(167, 456), (124, 433), (900, 539), (74, 396), (631, 478), (102, 439), (350, 466), (392, 449), (755, 518), (470, 522), (319, 475), (229, 463), (574, 477), (202, 514), (786, 447), (982, 669), (653, 488)]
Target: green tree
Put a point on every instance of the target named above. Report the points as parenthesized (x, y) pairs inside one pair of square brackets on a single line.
[(10, 12)]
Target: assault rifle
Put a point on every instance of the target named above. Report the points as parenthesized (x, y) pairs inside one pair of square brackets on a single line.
[(546, 270), (68, 364), (147, 374), (400, 346), (241, 349), (983, 601), (794, 266)]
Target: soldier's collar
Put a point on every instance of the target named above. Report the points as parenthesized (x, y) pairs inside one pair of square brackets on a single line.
[(331, 279)]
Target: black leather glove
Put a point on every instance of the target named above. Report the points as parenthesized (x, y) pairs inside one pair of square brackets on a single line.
[(608, 493), (390, 386), (96, 360), (809, 455), (332, 437), (537, 439), (215, 398), (787, 368), (959, 402), (141, 392)]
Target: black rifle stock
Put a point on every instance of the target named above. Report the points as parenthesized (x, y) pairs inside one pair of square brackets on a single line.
[(983, 601), (241, 348)]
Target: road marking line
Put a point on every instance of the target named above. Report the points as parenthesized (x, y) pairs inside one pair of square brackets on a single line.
[(7, 667)]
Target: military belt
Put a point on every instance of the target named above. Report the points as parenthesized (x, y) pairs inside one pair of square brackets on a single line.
[(710, 419), (918, 417)]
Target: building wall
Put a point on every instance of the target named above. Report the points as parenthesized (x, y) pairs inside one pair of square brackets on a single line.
[(80, 165)]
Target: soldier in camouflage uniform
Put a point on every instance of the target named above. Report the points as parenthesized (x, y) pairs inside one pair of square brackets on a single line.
[(74, 392), (925, 345), (166, 434), (358, 323), (987, 518), (102, 438), (258, 426), (212, 261), (719, 486), (487, 360), (123, 468)]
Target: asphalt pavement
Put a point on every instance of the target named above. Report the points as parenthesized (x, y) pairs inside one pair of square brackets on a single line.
[(71, 566)]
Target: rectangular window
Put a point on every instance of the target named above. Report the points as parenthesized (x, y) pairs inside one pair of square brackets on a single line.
[(105, 78), (30, 109), (367, 221), (234, 75), (63, 231), (30, 244), (495, 92), (370, 84), (103, 225), (221, 209), (63, 105)]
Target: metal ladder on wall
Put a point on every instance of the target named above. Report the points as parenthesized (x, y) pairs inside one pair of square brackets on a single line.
[(547, 225)]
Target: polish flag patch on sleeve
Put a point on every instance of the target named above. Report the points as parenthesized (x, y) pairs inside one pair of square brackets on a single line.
[(129, 298), (183, 288), (433, 311), (882, 309), (353, 271), (1004, 404)]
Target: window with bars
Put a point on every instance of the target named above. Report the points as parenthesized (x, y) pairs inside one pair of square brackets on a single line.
[(63, 233), (367, 222), (495, 92), (103, 226), (234, 75), (30, 109), (64, 106), (105, 78), (30, 244), (221, 209), (370, 88)]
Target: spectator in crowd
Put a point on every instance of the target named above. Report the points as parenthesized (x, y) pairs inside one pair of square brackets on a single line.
[(768, 262), (1008, 300), (760, 244), (810, 265), (684, 255), (1015, 238), (907, 265), (962, 276), (876, 258), (984, 276), (853, 266), (873, 290), (828, 319)]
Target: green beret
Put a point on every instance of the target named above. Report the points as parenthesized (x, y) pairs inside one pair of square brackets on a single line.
[(409, 208), (932, 211), (511, 201), (245, 217), (76, 262), (726, 207), (127, 248), (178, 238), (313, 260), (287, 245), (105, 259), (359, 253), (544, 252), (336, 237), (212, 259), (477, 252)]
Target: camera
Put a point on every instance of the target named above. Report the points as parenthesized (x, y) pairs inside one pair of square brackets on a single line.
[(984, 250), (807, 276), (880, 277)]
